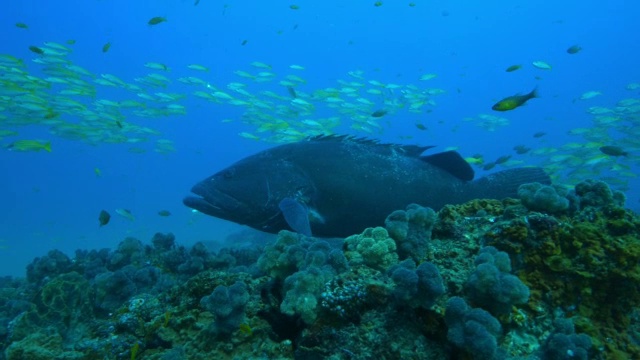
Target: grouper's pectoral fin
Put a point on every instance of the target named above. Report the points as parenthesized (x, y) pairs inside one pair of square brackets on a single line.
[(296, 215)]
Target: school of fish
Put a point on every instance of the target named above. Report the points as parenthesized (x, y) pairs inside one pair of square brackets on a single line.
[(279, 105)]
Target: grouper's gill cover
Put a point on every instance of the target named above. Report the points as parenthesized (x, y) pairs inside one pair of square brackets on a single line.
[(249, 191), (342, 185)]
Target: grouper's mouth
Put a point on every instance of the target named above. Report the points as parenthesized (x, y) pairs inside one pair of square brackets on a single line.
[(211, 201)]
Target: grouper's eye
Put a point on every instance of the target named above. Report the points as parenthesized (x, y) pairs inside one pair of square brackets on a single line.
[(228, 174)]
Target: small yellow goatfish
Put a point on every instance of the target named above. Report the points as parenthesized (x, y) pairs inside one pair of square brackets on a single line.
[(30, 145), (512, 102)]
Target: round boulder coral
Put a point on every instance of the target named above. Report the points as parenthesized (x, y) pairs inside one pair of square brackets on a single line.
[(373, 248)]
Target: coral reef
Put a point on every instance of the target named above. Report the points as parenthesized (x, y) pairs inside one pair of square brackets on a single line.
[(474, 330), (228, 305), (584, 264), (416, 287), (564, 343), (552, 275), (491, 286), (411, 229), (545, 198), (373, 248), (306, 266), (55, 263)]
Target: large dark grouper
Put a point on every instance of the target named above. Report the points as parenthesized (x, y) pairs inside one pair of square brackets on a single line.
[(337, 186)]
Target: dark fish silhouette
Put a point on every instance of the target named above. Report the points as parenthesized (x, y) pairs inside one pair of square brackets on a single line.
[(337, 186), (104, 218), (613, 150), (379, 113)]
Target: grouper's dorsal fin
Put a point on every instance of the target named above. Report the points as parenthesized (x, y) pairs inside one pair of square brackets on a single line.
[(409, 150), (451, 162)]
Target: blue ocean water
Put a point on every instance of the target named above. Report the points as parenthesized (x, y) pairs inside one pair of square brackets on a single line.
[(52, 200)]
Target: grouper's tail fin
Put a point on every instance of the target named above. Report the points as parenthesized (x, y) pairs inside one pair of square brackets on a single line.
[(505, 183)]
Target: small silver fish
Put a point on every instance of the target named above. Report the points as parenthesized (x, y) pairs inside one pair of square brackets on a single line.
[(125, 213)]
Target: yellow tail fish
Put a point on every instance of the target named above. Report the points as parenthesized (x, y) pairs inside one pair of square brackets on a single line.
[(512, 102)]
